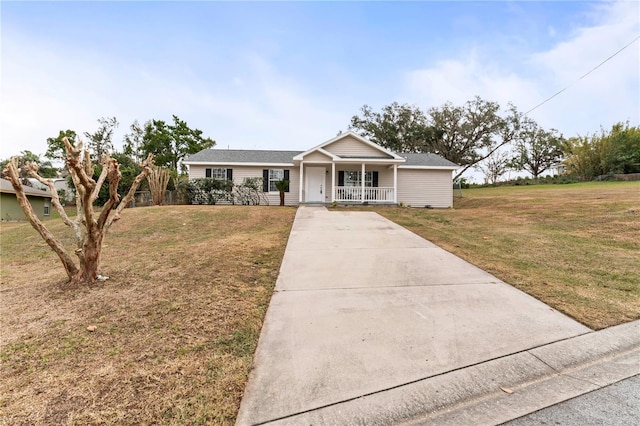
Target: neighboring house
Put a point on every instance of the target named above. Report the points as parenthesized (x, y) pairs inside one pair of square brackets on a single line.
[(60, 184), (10, 209), (333, 171)]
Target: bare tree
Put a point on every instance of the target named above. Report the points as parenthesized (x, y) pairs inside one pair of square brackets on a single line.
[(88, 229), (158, 180), (494, 166)]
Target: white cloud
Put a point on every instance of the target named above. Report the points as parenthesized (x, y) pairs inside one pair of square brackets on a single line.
[(260, 107), (608, 95)]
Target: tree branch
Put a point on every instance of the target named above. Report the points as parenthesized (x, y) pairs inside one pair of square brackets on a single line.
[(32, 169), (11, 172), (146, 169), (113, 169)]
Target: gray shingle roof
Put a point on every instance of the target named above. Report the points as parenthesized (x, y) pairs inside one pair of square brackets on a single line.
[(6, 187), (230, 156), (242, 156), (426, 159)]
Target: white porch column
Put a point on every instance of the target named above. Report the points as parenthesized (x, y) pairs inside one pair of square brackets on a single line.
[(395, 183), (300, 200), (362, 181), (333, 181)]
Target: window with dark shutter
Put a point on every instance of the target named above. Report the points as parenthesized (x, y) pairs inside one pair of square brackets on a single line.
[(286, 177), (375, 179), (229, 174), (265, 180), (341, 178), (207, 172)]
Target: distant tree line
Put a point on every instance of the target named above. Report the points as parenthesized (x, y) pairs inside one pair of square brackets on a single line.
[(169, 142), (480, 134)]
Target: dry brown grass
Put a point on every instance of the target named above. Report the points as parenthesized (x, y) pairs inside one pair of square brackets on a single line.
[(575, 247), (177, 322)]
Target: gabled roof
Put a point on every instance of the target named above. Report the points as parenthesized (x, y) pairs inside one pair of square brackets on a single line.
[(426, 160), (7, 188), (225, 156), (287, 158), (383, 151)]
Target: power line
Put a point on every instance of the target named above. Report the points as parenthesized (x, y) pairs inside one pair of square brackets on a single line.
[(589, 72)]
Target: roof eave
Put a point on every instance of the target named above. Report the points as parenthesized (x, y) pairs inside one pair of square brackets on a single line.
[(408, 166), (234, 163)]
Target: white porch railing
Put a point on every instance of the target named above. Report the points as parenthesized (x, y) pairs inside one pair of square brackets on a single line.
[(372, 195)]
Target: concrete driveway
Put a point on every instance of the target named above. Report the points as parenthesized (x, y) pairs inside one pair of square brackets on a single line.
[(372, 324)]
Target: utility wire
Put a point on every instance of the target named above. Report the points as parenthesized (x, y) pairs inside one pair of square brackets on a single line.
[(592, 70)]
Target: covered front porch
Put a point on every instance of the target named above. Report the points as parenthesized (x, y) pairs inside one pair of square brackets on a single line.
[(348, 183), (348, 169)]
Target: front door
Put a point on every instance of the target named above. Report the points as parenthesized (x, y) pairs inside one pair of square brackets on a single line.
[(315, 184)]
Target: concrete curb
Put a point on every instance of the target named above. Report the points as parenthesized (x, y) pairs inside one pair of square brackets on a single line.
[(497, 390)]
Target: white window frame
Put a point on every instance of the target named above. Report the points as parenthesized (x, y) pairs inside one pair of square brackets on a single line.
[(47, 208), (352, 178), (274, 176), (218, 173)]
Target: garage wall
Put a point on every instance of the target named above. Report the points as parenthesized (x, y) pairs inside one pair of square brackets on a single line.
[(419, 188)]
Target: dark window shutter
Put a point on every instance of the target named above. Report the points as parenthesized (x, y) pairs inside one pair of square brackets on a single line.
[(207, 173), (286, 177), (265, 180), (375, 179), (229, 174), (340, 178)]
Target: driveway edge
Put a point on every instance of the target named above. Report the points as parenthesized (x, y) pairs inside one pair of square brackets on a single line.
[(498, 390)]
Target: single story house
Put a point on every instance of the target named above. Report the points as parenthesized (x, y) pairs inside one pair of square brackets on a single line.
[(348, 169), (10, 209), (59, 184)]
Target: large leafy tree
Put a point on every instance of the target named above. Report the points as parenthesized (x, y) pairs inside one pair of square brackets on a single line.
[(46, 169), (625, 144), (472, 132), (400, 128), (170, 143), (133, 141), (465, 134), (615, 151), (100, 142), (56, 148), (536, 149)]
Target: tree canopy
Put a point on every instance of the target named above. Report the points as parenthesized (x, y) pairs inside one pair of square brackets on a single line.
[(464, 134), (56, 149), (170, 143), (45, 168), (536, 149), (472, 132), (400, 128), (100, 142), (614, 151)]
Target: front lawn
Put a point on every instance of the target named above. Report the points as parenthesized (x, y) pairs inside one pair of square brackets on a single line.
[(575, 247), (176, 324)]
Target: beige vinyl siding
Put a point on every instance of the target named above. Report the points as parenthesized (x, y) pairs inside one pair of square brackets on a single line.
[(352, 147), (198, 171), (241, 172), (419, 188), (316, 156)]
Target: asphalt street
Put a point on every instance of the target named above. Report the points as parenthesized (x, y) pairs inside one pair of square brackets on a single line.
[(617, 404)]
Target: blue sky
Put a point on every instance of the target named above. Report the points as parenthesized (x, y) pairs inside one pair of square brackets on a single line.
[(290, 75)]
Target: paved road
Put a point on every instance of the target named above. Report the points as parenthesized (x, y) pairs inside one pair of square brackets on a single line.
[(615, 405)]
